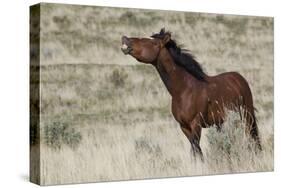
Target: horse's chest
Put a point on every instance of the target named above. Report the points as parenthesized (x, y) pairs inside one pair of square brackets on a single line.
[(177, 110), (182, 112)]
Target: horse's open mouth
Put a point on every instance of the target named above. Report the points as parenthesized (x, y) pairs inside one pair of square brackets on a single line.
[(126, 49)]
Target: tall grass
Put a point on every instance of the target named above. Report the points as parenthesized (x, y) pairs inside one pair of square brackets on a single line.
[(232, 149), (151, 150)]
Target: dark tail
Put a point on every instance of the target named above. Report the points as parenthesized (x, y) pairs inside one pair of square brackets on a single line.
[(254, 132), (251, 125)]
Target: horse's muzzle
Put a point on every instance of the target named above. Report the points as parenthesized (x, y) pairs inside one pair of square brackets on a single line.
[(126, 48)]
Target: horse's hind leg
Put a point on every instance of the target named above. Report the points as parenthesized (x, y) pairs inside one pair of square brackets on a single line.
[(193, 132)]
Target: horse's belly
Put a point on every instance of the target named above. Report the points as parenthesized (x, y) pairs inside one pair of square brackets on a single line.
[(215, 115)]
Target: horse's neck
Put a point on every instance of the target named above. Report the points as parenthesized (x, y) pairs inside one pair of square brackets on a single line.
[(174, 77)]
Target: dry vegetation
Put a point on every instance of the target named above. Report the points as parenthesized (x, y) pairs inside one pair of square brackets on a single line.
[(106, 117)]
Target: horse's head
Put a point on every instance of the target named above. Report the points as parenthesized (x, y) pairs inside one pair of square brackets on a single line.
[(145, 50)]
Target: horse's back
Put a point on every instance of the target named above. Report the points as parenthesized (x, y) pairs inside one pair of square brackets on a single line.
[(230, 81), (228, 90), (228, 75)]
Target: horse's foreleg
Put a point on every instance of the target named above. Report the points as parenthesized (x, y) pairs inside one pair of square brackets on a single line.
[(193, 132)]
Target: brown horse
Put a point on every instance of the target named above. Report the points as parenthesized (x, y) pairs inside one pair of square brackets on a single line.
[(198, 100)]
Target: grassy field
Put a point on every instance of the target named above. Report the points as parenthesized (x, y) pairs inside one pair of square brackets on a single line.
[(105, 116)]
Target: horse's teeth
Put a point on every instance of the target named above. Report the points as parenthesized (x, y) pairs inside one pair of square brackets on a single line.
[(124, 46)]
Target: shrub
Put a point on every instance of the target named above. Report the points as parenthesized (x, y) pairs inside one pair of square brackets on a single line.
[(231, 144), (63, 22), (143, 145), (57, 133), (118, 77)]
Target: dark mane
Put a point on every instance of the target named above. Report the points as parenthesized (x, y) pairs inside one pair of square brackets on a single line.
[(182, 57)]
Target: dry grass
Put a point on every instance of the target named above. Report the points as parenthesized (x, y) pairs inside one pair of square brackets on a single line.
[(121, 109), (154, 150)]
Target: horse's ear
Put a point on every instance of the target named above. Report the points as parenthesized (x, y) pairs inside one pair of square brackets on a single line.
[(167, 38)]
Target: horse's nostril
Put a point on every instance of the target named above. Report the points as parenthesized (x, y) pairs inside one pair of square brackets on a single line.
[(126, 47)]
